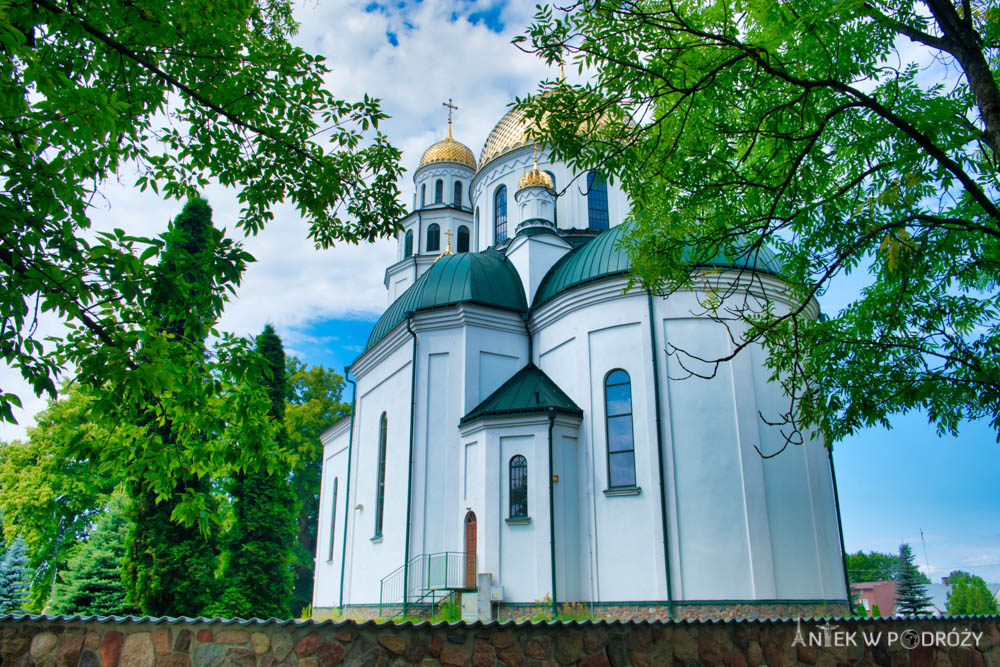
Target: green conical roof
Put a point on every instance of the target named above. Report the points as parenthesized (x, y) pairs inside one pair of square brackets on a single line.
[(603, 258), (484, 278), (529, 391)]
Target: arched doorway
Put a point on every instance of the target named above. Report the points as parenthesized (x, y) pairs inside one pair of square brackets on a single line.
[(470, 550)]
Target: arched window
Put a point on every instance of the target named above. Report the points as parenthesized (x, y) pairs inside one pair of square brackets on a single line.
[(458, 194), (433, 238), (555, 208), (518, 487), (621, 442), (383, 426), (500, 214), (333, 519), (463, 239), (438, 191), (597, 201), (423, 195), (408, 244), (477, 217)]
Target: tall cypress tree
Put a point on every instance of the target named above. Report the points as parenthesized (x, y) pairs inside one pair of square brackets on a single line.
[(169, 568), (911, 592), (258, 550)]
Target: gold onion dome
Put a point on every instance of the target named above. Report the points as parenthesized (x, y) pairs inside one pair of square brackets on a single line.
[(537, 178), (448, 150), (510, 133)]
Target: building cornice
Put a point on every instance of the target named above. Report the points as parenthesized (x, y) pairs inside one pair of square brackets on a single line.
[(385, 347)]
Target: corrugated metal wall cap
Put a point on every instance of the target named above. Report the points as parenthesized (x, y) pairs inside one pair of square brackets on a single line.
[(485, 278), (184, 620)]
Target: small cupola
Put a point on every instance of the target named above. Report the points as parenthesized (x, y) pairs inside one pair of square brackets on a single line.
[(446, 168), (536, 199)]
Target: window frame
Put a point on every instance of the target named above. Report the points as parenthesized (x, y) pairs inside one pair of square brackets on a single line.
[(408, 244), (333, 520), (468, 238), (457, 192), (607, 429), (522, 491), (383, 429), (439, 191), (433, 234), (597, 201), (499, 221)]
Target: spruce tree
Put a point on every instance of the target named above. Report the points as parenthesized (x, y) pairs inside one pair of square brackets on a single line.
[(911, 592), (169, 568), (15, 579), (92, 582), (258, 549)]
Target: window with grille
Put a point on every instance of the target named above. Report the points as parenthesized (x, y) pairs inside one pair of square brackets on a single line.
[(518, 487)]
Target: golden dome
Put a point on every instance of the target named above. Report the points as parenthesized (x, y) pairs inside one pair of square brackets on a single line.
[(510, 133), (448, 150), (537, 178)]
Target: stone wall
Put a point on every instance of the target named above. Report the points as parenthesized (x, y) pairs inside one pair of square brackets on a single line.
[(74, 642)]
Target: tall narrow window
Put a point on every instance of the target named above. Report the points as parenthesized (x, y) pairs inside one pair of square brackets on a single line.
[(333, 519), (380, 480), (408, 244), (518, 487), (477, 217), (597, 201), (438, 191), (500, 214), (555, 207), (463, 239), (423, 195), (621, 442), (433, 238), (458, 194)]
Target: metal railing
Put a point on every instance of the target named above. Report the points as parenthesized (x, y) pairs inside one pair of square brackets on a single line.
[(426, 573)]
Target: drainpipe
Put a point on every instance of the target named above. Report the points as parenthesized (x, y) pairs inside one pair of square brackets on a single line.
[(840, 529), (347, 493), (409, 467), (552, 514), (659, 455)]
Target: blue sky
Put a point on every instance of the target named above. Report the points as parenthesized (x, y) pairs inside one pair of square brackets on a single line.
[(416, 55)]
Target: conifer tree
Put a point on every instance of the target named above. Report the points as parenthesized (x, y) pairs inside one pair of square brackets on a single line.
[(15, 579), (92, 582), (911, 592), (169, 567), (258, 550)]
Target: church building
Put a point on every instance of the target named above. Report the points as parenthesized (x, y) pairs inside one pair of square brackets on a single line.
[(521, 437)]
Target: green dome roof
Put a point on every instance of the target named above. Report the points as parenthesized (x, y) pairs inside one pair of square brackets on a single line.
[(484, 278), (604, 258)]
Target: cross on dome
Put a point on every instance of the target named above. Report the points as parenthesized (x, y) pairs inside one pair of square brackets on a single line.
[(451, 107)]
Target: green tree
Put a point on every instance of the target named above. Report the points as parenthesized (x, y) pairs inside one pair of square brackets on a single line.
[(875, 566), (969, 595), (170, 562), (49, 493), (257, 577), (183, 92), (313, 403), (805, 127), (15, 579), (911, 592), (92, 584)]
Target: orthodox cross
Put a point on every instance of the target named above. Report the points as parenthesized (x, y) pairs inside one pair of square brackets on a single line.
[(448, 248), (451, 107)]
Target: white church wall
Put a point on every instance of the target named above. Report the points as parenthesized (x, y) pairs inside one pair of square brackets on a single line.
[(533, 256), (571, 548), (383, 388), (581, 337), (714, 558), (330, 529), (826, 521)]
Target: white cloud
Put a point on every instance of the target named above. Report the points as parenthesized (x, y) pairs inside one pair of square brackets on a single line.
[(438, 57)]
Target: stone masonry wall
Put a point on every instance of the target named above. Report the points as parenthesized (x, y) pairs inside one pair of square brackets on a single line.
[(74, 642)]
